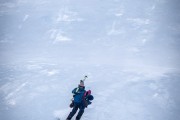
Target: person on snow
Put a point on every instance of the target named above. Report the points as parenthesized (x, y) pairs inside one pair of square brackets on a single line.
[(82, 99)]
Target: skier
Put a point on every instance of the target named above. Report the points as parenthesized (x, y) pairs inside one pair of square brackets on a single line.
[(81, 100)]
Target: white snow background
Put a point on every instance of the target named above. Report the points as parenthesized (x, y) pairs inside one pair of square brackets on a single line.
[(128, 48)]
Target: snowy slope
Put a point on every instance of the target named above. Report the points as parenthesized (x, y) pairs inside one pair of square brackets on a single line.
[(129, 49), (43, 91)]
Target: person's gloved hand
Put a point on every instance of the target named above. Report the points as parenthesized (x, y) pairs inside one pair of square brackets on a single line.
[(71, 105)]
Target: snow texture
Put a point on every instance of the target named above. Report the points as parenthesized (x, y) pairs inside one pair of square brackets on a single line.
[(129, 50)]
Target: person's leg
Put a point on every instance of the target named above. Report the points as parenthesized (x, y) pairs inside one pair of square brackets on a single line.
[(71, 114), (80, 113)]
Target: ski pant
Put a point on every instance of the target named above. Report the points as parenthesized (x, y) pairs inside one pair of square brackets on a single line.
[(74, 110)]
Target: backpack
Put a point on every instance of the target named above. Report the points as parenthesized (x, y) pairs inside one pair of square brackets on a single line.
[(87, 98)]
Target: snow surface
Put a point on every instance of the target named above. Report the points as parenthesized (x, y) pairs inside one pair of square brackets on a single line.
[(129, 50)]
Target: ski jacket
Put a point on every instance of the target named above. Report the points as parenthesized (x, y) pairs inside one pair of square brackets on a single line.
[(78, 94)]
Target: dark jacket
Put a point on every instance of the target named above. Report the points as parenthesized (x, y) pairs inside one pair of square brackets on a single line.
[(78, 94)]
